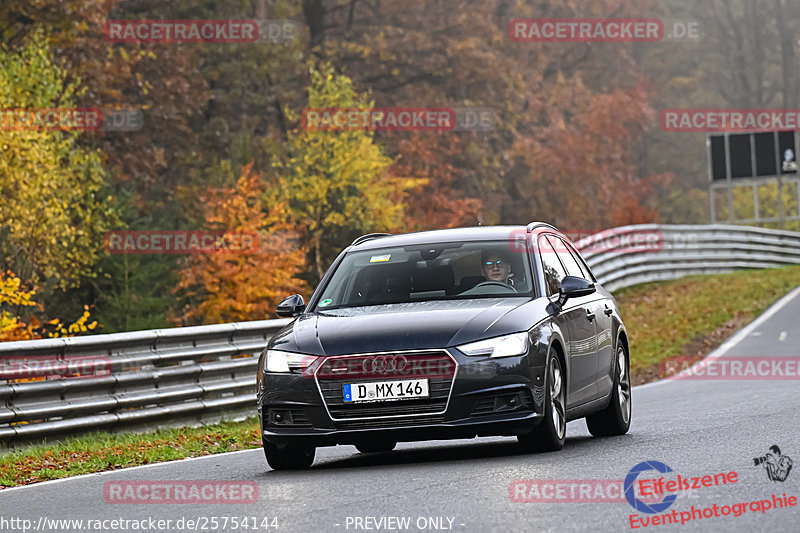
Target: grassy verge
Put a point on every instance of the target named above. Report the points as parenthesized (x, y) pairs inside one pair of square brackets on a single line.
[(693, 315), (683, 317), (104, 451)]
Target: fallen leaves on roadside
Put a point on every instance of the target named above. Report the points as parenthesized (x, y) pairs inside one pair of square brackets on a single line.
[(26, 468)]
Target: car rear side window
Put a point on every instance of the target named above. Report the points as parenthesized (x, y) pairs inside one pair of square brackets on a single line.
[(582, 263), (553, 269), (565, 254)]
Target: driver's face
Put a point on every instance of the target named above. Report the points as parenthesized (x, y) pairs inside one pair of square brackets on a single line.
[(496, 268)]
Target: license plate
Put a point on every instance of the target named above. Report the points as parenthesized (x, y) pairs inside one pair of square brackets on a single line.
[(399, 389)]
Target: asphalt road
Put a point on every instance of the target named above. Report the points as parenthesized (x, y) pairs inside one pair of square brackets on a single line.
[(696, 427)]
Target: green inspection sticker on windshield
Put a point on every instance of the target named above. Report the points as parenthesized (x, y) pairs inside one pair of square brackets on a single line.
[(326, 302), (380, 258)]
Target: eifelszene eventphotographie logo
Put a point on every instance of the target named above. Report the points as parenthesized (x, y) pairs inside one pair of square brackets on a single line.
[(776, 464), (630, 495)]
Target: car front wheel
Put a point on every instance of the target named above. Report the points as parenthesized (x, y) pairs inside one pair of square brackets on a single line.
[(616, 418), (291, 457), (549, 435)]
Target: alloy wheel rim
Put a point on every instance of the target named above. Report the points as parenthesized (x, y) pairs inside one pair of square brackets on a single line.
[(557, 399), (623, 386)]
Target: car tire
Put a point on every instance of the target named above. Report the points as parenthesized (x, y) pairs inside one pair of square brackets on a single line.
[(291, 457), (551, 432), (616, 418), (375, 447)]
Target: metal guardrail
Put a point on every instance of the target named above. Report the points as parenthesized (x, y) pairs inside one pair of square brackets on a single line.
[(671, 252), (130, 379), (186, 375)]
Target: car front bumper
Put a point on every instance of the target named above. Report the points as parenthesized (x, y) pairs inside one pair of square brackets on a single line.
[(484, 397)]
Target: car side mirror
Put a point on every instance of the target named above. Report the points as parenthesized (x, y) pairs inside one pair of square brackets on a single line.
[(574, 287), (291, 306)]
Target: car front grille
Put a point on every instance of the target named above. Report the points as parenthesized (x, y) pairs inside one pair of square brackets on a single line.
[(437, 366)]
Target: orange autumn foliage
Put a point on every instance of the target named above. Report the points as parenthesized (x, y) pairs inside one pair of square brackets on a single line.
[(437, 204), (578, 157), (230, 286)]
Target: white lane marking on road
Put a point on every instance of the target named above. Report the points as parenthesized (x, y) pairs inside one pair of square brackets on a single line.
[(737, 337), (782, 336), (128, 469)]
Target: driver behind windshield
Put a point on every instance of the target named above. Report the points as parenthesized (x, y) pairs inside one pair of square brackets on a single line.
[(496, 267)]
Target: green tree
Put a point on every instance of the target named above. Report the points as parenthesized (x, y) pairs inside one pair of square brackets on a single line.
[(52, 208), (133, 291), (337, 183)]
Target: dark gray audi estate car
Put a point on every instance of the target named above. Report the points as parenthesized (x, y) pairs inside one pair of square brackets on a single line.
[(443, 334)]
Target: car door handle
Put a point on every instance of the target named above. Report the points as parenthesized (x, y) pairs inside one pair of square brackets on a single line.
[(608, 311), (590, 315)]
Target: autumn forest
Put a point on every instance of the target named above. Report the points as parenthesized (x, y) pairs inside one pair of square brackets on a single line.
[(221, 143)]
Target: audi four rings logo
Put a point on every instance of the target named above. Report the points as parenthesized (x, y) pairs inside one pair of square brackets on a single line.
[(382, 364)]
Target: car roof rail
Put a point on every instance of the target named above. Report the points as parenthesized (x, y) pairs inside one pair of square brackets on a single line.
[(533, 225), (369, 237)]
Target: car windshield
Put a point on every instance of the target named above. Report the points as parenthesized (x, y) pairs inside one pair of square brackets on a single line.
[(443, 271)]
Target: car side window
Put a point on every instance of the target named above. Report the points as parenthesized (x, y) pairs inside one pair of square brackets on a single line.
[(565, 253), (582, 263), (553, 270)]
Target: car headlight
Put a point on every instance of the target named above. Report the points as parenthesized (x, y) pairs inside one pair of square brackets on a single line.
[(505, 346), (278, 361)]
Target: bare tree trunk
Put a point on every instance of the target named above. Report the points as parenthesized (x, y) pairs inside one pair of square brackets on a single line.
[(261, 9), (788, 60), (741, 35), (318, 257), (314, 13)]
